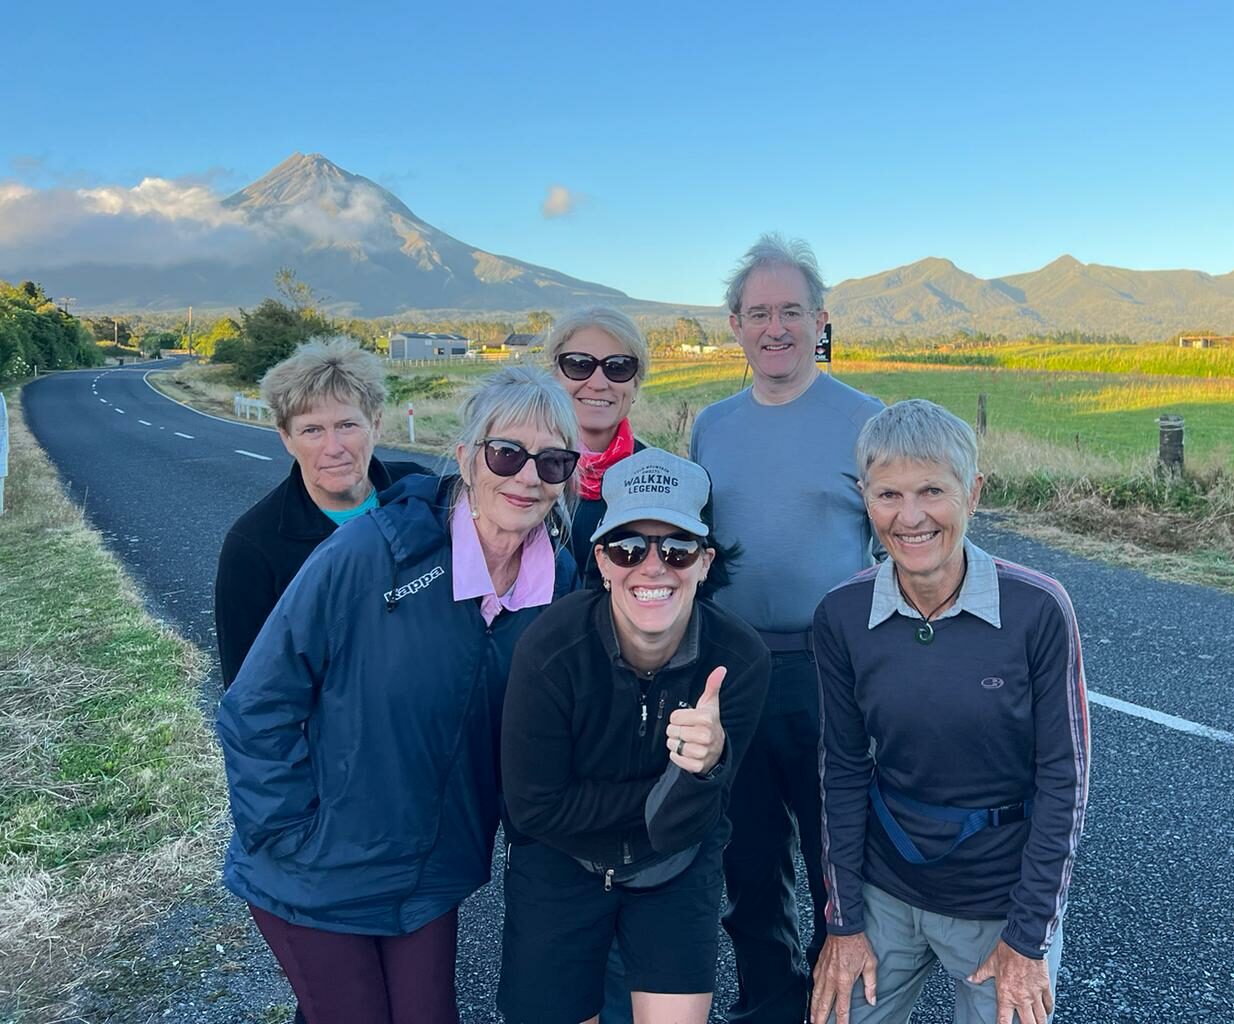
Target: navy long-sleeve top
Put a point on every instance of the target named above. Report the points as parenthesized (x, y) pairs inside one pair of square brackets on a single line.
[(992, 712)]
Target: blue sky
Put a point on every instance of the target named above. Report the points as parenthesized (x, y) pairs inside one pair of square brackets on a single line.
[(999, 136)]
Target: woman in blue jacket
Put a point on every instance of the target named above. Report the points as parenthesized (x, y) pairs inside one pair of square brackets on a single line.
[(361, 734)]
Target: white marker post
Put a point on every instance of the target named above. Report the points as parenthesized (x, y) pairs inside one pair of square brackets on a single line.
[(411, 423)]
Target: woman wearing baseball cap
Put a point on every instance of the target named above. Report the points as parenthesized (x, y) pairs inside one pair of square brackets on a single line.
[(627, 713)]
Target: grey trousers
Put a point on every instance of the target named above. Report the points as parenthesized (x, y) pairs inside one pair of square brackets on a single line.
[(908, 941)]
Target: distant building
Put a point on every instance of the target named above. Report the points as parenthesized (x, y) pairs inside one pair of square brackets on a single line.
[(697, 350), (1205, 340), (418, 345)]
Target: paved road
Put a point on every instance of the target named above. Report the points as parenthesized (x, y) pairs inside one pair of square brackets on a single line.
[(1150, 929)]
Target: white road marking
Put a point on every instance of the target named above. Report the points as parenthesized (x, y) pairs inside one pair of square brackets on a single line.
[(145, 423), (1161, 718), (118, 409), (178, 434), (253, 455), (103, 400)]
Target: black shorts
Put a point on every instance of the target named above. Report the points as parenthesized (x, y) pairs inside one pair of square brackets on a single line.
[(560, 925)]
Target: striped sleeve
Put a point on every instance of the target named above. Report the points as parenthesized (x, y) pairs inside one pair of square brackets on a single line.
[(1060, 719)]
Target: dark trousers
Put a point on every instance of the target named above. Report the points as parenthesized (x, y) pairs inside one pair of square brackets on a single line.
[(367, 979), (774, 805)]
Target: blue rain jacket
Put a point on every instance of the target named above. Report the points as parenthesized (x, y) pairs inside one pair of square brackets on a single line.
[(361, 734)]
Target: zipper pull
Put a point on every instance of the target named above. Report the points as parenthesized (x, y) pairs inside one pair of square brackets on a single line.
[(642, 725), (663, 698), (608, 880)]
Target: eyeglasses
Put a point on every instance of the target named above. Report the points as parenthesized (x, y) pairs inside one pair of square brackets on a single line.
[(677, 551), (760, 316), (581, 365), (506, 458)]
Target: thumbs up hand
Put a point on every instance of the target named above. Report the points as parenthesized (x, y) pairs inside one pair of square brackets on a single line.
[(695, 736)]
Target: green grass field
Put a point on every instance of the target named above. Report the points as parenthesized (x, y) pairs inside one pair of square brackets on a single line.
[(1112, 414)]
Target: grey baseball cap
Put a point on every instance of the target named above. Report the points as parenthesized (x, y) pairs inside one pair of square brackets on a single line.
[(655, 484)]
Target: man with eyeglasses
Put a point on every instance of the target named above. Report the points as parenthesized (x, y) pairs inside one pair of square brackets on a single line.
[(780, 455)]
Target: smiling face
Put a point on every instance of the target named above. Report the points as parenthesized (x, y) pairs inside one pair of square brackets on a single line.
[(333, 445), (599, 404), (510, 504), (920, 512), (651, 601), (781, 355)]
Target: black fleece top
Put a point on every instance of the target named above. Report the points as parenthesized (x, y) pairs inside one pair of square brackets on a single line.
[(264, 550), (585, 765)]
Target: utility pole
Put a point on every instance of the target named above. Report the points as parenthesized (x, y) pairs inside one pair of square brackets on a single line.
[(190, 330)]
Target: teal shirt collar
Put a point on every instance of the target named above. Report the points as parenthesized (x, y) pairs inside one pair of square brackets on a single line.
[(347, 514)]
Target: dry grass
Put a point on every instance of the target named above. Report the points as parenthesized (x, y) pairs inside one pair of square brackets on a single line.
[(110, 782), (1122, 510)]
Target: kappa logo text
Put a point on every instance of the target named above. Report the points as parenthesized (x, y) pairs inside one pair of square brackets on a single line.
[(416, 585)]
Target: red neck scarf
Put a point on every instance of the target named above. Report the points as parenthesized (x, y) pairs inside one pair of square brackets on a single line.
[(592, 467)]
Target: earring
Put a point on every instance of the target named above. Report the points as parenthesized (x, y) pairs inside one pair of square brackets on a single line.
[(554, 531), (608, 584)]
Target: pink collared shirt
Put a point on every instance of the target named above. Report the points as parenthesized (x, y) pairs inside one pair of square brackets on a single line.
[(536, 572)]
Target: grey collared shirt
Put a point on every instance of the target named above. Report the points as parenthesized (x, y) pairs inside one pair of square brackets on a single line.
[(978, 596)]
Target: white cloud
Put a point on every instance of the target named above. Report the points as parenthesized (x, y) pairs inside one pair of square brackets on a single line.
[(560, 202), (157, 221)]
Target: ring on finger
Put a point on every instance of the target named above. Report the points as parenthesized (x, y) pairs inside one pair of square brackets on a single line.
[(681, 743)]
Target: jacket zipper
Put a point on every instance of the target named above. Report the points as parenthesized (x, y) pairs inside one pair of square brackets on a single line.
[(608, 880)]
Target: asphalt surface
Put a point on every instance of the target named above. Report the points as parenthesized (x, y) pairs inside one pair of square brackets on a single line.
[(1150, 926)]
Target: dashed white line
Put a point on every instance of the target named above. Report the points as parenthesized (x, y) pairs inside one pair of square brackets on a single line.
[(103, 400), (145, 423), (178, 434), (253, 455), (118, 409), (1161, 718)]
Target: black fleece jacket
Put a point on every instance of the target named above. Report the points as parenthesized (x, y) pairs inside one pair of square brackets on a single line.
[(264, 550), (585, 765)]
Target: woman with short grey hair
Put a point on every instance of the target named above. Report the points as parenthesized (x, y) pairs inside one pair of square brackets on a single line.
[(361, 734), (954, 758)]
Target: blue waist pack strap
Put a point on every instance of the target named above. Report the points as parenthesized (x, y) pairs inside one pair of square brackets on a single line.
[(970, 820)]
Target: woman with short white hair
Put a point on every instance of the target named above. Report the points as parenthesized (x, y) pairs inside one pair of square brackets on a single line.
[(954, 758)]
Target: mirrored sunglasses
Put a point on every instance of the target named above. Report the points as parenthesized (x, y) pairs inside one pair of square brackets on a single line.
[(581, 365), (506, 458), (677, 551)]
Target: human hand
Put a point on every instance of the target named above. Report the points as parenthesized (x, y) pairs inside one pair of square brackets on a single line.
[(694, 736), (843, 958), (1021, 985)]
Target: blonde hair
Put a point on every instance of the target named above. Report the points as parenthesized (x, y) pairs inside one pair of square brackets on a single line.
[(324, 368), (612, 322)]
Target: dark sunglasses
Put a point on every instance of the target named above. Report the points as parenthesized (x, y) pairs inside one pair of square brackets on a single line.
[(506, 458), (580, 366), (677, 551)]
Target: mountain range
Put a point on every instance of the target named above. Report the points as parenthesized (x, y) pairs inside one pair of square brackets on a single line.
[(368, 254)]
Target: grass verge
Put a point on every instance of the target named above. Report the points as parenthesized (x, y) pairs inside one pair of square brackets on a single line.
[(110, 781)]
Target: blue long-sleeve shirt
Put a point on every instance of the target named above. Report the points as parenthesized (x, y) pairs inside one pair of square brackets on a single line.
[(991, 713)]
